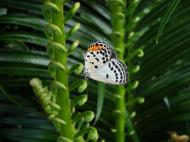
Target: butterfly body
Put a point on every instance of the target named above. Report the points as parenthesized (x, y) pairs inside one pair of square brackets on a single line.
[(102, 64)]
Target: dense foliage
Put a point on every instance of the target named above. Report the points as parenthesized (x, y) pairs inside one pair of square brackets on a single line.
[(160, 73)]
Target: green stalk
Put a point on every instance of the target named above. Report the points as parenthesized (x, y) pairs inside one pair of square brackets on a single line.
[(59, 110), (63, 101), (118, 22), (120, 115)]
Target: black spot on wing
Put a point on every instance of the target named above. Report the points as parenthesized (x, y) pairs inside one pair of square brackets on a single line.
[(97, 59), (107, 48), (124, 72), (109, 65), (120, 71)]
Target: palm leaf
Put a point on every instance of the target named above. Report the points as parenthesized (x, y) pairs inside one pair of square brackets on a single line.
[(164, 71)]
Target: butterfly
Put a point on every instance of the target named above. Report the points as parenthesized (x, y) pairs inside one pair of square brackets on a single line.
[(102, 64)]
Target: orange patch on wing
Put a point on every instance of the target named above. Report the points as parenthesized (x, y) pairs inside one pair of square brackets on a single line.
[(95, 48)]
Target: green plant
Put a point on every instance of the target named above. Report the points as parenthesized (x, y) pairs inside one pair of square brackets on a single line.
[(118, 35), (56, 101), (158, 74)]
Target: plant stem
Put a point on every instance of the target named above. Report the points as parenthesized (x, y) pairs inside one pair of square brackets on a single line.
[(120, 117), (63, 101), (118, 22)]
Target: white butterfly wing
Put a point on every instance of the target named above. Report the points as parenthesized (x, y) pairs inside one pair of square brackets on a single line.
[(113, 72), (102, 54)]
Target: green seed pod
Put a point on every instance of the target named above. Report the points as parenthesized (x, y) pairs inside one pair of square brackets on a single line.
[(48, 109), (52, 46), (72, 30), (116, 96), (37, 86), (79, 100), (45, 98), (131, 34), (133, 114), (84, 116), (57, 120), (88, 116), (83, 86), (58, 66), (135, 84), (82, 100), (52, 31), (136, 69), (113, 130), (140, 100), (53, 67), (48, 10), (73, 47), (80, 85), (92, 134), (72, 11), (116, 112), (140, 53), (34, 82), (131, 133), (79, 69), (54, 105), (59, 85), (120, 15), (136, 19)]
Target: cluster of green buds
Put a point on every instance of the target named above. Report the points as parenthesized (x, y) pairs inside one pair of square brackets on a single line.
[(47, 100), (81, 120), (133, 54)]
